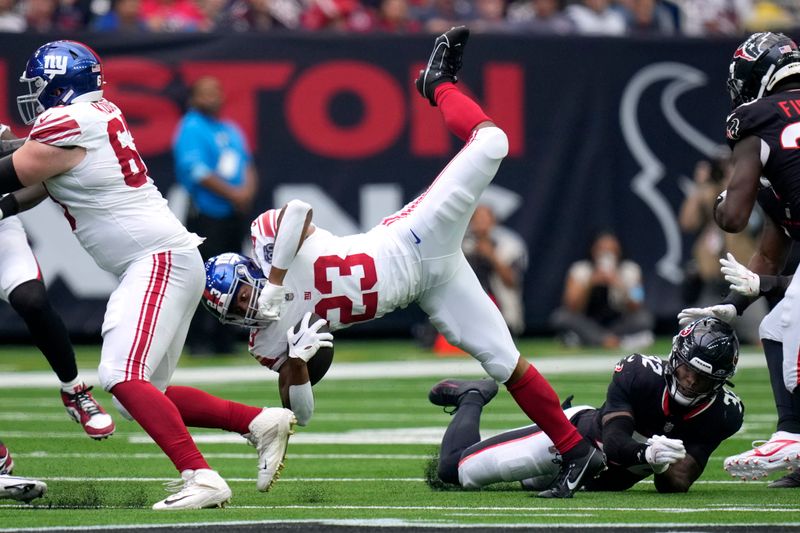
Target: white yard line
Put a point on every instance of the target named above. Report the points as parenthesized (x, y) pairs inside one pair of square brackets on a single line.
[(395, 369)]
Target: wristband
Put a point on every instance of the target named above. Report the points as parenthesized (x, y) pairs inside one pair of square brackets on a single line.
[(739, 301)]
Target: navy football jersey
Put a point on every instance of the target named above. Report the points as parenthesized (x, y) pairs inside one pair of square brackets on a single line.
[(775, 119), (638, 386)]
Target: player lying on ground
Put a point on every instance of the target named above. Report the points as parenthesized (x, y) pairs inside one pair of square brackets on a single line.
[(413, 255), (80, 147), (660, 417), (763, 131), (14, 487), (21, 285)]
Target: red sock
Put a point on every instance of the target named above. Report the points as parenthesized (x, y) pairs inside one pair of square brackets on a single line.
[(540, 402), (460, 112), (161, 420), (202, 410)]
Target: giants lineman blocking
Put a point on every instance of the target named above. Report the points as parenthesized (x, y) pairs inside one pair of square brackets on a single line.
[(81, 149)]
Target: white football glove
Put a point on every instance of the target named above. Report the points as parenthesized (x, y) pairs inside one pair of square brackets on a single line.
[(724, 312), (662, 452), (742, 280), (270, 301), (305, 343)]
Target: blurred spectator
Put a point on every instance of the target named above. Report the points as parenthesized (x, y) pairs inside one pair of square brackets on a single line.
[(703, 282), (262, 15), (603, 302), (124, 16), (596, 17), (539, 16), (11, 20), (214, 165), (40, 15), (172, 15), (438, 16), (394, 16), (649, 17), (499, 258), (769, 16), (714, 17), (340, 15), (490, 16)]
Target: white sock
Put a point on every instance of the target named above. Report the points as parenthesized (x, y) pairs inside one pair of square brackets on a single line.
[(70, 387)]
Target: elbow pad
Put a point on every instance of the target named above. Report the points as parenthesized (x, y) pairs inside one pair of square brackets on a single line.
[(290, 232), (301, 402)]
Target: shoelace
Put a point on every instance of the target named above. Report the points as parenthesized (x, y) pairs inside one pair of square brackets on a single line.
[(177, 485), (86, 403)]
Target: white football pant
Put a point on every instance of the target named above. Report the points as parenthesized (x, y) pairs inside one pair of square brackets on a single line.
[(17, 263), (782, 324)]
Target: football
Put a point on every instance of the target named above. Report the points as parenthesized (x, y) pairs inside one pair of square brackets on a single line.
[(319, 364)]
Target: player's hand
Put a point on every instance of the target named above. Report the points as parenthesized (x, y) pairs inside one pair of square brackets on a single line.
[(305, 343), (270, 301), (661, 452), (742, 280), (724, 312)]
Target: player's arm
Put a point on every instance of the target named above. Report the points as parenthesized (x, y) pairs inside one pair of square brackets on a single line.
[(35, 162), (294, 386), (22, 200), (618, 442), (732, 210), (679, 477), (293, 227)]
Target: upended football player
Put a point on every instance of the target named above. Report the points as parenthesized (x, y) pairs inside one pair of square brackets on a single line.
[(659, 417)]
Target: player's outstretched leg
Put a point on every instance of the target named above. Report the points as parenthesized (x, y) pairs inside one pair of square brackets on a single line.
[(444, 63), (267, 429)]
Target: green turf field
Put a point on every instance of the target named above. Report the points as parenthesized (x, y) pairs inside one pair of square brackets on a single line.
[(362, 458)]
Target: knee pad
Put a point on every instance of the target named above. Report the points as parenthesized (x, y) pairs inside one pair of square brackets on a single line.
[(494, 142), (124, 412)]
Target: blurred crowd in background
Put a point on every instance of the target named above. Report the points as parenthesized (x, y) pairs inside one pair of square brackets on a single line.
[(587, 17)]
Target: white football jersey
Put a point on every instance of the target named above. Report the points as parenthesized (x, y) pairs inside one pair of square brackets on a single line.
[(344, 280), (112, 205)]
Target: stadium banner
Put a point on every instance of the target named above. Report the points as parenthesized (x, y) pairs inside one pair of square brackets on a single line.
[(604, 134)]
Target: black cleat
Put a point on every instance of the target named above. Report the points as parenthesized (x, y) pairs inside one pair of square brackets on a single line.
[(789, 481), (444, 63), (449, 392), (574, 474), (566, 404)]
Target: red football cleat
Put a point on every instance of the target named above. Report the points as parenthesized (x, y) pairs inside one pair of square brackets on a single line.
[(85, 410)]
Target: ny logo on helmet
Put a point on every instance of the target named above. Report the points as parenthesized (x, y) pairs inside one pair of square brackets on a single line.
[(55, 65)]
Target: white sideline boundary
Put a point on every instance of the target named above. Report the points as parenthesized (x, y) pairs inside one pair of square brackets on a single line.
[(463, 367)]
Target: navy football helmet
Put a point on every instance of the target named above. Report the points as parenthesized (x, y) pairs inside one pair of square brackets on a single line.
[(759, 63), (708, 347), (60, 73), (226, 274)]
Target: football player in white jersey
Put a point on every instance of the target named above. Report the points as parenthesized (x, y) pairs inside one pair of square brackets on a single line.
[(21, 285), (83, 154), (412, 256)]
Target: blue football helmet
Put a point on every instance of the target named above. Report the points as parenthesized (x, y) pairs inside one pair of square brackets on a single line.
[(60, 73), (226, 274)]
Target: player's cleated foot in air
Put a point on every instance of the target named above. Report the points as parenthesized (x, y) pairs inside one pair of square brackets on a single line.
[(269, 433), (780, 452), (84, 409), (197, 489), (789, 481), (450, 392), (575, 473), (20, 488), (6, 462), (444, 63)]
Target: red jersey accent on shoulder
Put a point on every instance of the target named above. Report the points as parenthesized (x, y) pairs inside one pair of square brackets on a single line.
[(55, 129), (267, 223)]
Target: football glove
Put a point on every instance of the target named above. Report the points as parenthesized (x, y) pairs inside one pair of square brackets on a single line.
[(742, 280), (661, 452), (305, 343), (724, 312), (270, 301)]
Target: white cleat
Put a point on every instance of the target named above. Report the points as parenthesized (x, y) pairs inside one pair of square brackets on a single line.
[(780, 452), (269, 433), (197, 489), (20, 488)]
